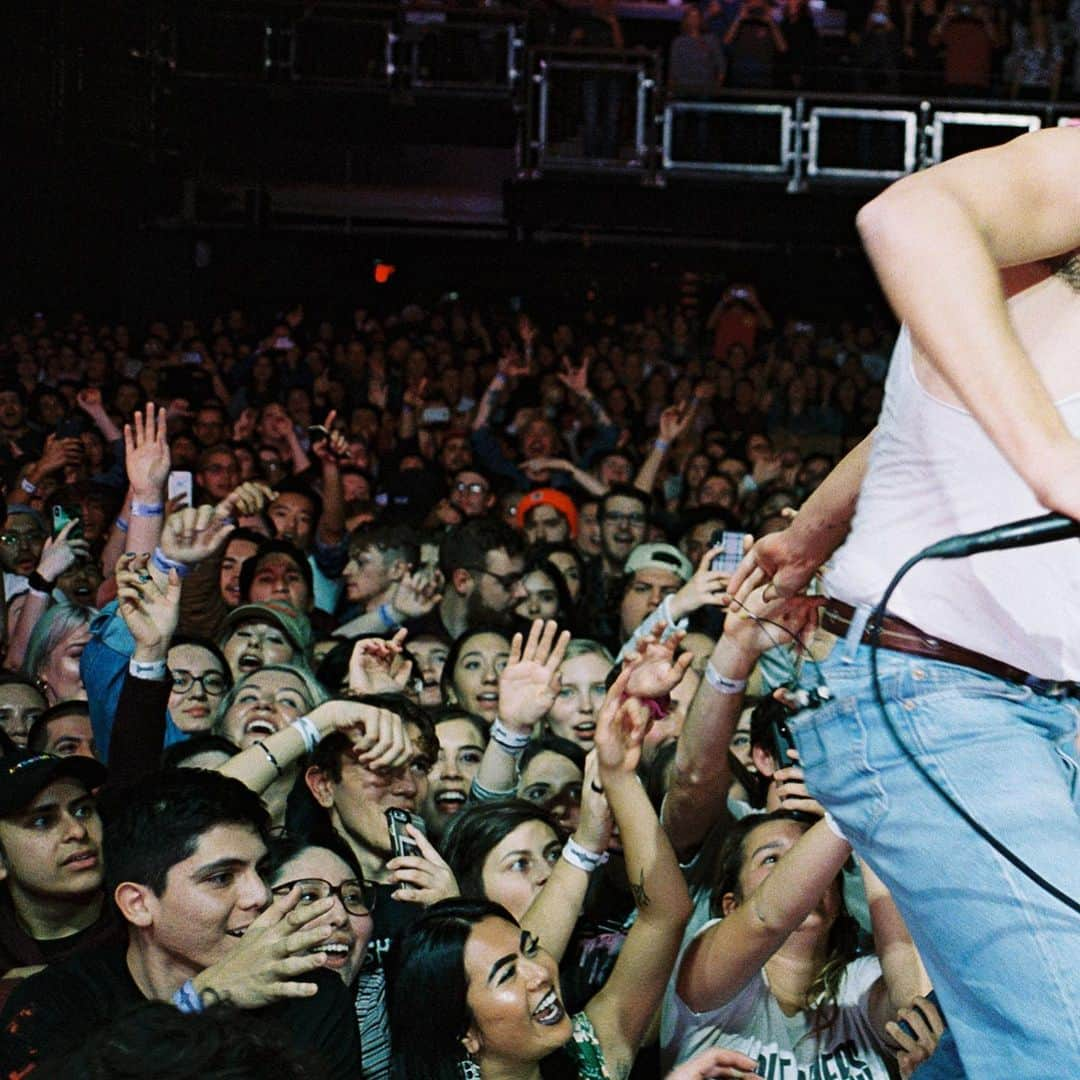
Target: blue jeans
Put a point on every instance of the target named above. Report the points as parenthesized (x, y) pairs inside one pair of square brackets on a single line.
[(1004, 955)]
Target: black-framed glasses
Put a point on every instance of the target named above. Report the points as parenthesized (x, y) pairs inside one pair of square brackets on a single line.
[(21, 539), (357, 897), (212, 682), (472, 489), (507, 581), (618, 518)]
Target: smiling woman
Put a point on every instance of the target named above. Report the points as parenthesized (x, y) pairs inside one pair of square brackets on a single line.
[(471, 673)]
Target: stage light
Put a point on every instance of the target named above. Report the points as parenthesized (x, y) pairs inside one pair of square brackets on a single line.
[(383, 271)]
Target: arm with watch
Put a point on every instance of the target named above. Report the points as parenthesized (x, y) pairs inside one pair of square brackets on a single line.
[(527, 688)]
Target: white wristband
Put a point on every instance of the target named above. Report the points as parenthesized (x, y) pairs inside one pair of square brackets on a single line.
[(308, 732), (513, 742), (154, 670), (834, 828), (582, 857), (721, 683)]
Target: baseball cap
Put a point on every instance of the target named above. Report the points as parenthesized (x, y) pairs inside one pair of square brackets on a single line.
[(292, 623), (660, 557), (559, 500), (24, 774)]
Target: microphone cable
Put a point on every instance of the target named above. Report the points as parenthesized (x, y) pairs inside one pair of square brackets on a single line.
[(943, 550)]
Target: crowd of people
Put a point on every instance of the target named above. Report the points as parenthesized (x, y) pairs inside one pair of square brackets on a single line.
[(373, 702), (1025, 51)]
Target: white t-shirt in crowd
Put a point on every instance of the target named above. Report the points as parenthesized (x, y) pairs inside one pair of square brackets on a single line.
[(785, 1047)]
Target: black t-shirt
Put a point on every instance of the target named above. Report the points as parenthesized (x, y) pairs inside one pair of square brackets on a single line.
[(52, 1014)]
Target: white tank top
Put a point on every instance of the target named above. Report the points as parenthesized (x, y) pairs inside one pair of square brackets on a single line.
[(935, 473)]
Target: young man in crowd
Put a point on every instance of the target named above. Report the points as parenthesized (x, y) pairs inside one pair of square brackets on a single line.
[(183, 859)]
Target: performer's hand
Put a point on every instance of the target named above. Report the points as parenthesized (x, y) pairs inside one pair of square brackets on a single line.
[(783, 559)]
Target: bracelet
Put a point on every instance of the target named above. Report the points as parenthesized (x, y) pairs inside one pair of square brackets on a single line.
[(266, 750), (661, 444), (38, 584), (309, 732), (122, 524), (513, 742), (721, 683), (582, 857), (29, 487), (187, 999), (142, 669), (163, 564), (141, 509), (389, 621)]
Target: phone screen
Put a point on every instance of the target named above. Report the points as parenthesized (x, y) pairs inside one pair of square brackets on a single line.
[(180, 484), (731, 556)]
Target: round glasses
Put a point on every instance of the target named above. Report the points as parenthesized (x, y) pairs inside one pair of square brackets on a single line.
[(357, 897)]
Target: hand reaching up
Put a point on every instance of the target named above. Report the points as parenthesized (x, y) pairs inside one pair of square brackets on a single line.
[(529, 682)]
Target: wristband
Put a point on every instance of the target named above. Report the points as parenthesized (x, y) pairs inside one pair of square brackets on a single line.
[(721, 683), (834, 828), (163, 564), (266, 750), (187, 999), (513, 742), (141, 509), (582, 857), (122, 524), (308, 732), (662, 444), (498, 380), (384, 613), (29, 487), (36, 583), (155, 669)]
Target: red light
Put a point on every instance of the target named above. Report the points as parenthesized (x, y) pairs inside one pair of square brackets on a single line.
[(383, 272)]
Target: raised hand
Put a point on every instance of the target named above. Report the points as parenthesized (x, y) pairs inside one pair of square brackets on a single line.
[(715, 1062), (62, 551), (544, 464), (707, 588), (417, 594), (576, 380), (244, 425), (652, 669), (761, 617), (377, 666), (250, 497), (783, 561), (378, 736), (89, 400), (926, 1025), (272, 953), (791, 787), (620, 732), (596, 823), (194, 534), (150, 611), (511, 365), (58, 454), (529, 682), (675, 419), (334, 449), (423, 878), (526, 331), (414, 395), (146, 454)]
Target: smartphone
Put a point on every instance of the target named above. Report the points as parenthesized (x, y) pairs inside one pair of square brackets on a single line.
[(61, 515), (782, 741), (731, 556), (180, 484), (906, 1028), (401, 843), (69, 428), (317, 433), (435, 414), (190, 358)]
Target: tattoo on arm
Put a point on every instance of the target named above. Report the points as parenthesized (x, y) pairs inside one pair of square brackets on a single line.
[(641, 897)]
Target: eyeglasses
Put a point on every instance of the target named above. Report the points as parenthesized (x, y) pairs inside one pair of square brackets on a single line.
[(21, 539), (507, 581), (357, 897), (628, 519), (472, 489), (212, 682)]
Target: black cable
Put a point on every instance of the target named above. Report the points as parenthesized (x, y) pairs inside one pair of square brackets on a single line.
[(877, 616)]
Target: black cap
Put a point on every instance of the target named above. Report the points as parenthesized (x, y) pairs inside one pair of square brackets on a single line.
[(24, 774)]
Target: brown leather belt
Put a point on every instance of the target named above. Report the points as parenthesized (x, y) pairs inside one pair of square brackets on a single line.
[(901, 636)]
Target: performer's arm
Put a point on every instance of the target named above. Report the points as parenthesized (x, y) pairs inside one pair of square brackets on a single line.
[(792, 557), (937, 241)]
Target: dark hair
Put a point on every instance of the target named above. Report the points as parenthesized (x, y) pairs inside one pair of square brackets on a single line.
[(222, 1043), (211, 647), (391, 539), (293, 485), (843, 942), (479, 828), (624, 491), (284, 847), (444, 713), (553, 744), (427, 989), (447, 680), (468, 544), (160, 820), (204, 742), (38, 735), (564, 613), (274, 546), (333, 669)]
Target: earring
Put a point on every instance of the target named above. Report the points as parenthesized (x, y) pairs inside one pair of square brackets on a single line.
[(469, 1069)]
